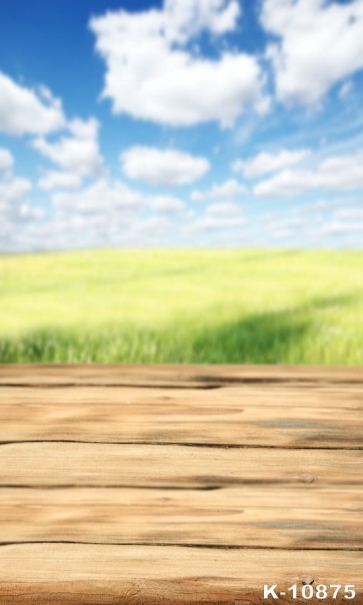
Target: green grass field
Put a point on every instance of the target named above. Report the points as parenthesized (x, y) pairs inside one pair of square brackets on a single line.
[(182, 305)]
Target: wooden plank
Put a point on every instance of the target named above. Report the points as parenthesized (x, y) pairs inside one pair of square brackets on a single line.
[(258, 415), (291, 394), (175, 375), (264, 517), (73, 574), (96, 465)]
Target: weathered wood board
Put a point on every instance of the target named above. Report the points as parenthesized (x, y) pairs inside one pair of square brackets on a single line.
[(173, 485), (175, 375), (275, 415)]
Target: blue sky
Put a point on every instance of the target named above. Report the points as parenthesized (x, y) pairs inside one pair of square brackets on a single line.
[(181, 123)]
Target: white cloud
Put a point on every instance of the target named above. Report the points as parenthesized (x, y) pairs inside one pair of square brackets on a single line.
[(335, 227), (320, 44), (59, 233), (99, 198), (84, 129), (77, 155), (14, 206), (223, 209), (6, 160), (349, 214), (167, 167), (22, 111), (151, 74), (220, 216), (345, 89), (13, 191), (153, 228), (218, 223), (345, 221), (59, 180), (72, 230), (166, 203), (110, 199), (287, 183), (339, 173), (285, 224), (342, 172), (264, 163), (228, 189), (187, 18)]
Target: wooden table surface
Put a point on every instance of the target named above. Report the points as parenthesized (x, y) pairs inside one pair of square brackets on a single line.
[(180, 484)]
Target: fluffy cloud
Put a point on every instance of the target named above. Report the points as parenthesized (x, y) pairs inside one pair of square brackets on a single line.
[(223, 209), (218, 223), (6, 160), (99, 198), (112, 198), (14, 205), (339, 173), (185, 19), (286, 183), (23, 111), (13, 191), (228, 189), (167, 167), (264, 163), (319, 44), (166, 204), (354, 214), (152, 74), (151, 229), (343, 222), (282, 227), (220, 216), (77, 155), (59, 180), (336, 227)]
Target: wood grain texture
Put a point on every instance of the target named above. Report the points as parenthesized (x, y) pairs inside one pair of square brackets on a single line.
[(73, 574), (178, 485), (252, 516), (172, 466), (174, 375), (258, 415)]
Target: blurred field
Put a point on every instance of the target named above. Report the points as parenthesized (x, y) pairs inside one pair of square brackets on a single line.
[(182, 305)]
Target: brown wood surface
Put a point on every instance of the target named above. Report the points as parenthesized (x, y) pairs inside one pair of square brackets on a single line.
[(249, 516), (74, 574), (172, 466), (175, 375), (277, 415), (148, 485)]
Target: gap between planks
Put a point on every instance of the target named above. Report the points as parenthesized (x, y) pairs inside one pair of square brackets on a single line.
[(217, 547), (223, 446)]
